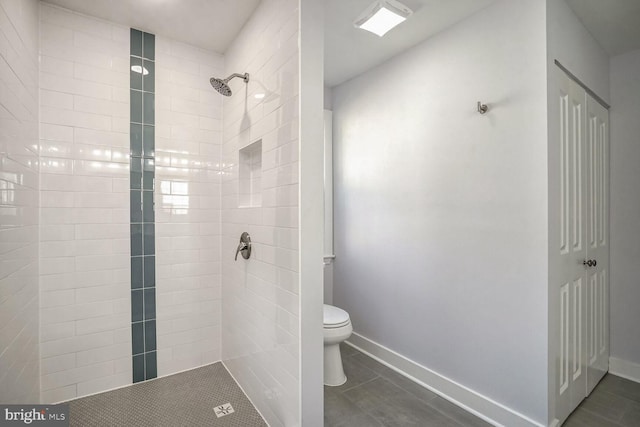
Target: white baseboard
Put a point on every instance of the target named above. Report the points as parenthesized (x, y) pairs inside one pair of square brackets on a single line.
[(471, 401), (624, 369)]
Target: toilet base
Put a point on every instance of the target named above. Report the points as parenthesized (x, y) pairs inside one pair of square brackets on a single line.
[(333, 370)]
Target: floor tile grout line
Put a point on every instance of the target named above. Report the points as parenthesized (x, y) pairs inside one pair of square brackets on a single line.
[(358, 385)]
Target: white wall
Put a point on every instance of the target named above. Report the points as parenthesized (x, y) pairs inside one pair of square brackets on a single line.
[(187, 204), (625, 209), (569, 42), (85, 248), (84, 230), (19, 364), (441, 213), (260, 338)]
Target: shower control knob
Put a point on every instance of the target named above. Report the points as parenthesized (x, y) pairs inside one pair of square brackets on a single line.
[(244, 248)]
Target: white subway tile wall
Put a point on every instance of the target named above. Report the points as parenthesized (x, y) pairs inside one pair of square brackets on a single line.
[(19, 364), (85, 340), (187, 206), (260, 341)]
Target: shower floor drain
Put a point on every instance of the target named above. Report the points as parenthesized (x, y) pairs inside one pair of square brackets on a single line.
[(223, 410)]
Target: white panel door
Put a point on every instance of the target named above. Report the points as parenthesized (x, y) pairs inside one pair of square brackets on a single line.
[(571, 380), (582, 278), (597, 199)]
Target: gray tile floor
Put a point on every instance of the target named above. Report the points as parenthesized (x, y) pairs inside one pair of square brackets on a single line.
[(376, 396), (185, 399), (615, 402)]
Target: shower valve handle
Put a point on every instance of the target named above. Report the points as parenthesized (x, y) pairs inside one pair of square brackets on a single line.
[(244, 247)]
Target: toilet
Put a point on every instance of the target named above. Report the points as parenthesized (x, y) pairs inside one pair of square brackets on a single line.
[(337, 328)]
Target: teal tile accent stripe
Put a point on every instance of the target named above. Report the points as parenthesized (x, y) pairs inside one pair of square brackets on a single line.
[(142, 214)]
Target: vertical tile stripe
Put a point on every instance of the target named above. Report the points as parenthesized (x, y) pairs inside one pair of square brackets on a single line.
[(142, 215)]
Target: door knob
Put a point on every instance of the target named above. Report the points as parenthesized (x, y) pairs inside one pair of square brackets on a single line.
[(244, 247)]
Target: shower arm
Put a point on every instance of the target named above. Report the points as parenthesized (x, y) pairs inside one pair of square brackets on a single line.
[(244, 77)]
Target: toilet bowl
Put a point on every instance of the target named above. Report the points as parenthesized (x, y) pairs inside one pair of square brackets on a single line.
[(337, 328)]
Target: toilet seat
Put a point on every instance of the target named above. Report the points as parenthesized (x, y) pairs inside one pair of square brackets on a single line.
[(335, 317)]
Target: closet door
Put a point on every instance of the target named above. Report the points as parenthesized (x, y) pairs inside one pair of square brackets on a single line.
[(570, 278), (597, 242)]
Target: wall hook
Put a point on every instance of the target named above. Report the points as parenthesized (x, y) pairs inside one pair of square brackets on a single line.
[(482, 108)]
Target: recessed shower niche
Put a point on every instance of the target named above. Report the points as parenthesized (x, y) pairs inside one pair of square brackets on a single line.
[(250, 174)]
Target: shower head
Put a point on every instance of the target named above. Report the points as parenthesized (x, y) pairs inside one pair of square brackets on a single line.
[(222, 85)]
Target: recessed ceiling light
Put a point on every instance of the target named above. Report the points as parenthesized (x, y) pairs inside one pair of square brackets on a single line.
[(382, 16)]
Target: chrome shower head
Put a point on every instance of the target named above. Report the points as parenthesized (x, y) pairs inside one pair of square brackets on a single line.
[(222, 85)]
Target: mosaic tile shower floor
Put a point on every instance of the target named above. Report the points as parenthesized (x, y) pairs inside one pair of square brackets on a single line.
[(189, 398)]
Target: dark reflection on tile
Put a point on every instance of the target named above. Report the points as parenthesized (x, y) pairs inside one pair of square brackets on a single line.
[(135, 205), (149, 46), (137, 337), (137, 272), (136, 42), (149, 76), (149, 144), (149, 271), (149, 335), (149, 109), (149, 239), (135, 173), (136, 239), (149, 304), (147, 206), (148, 177), (135, 73), (151, 365), (138, 368), (137, 306), (136, 140), (136, 106)]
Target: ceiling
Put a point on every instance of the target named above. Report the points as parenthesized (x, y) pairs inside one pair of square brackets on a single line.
[(209, 24), (615, 24), (350, 51), (214, 24)]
